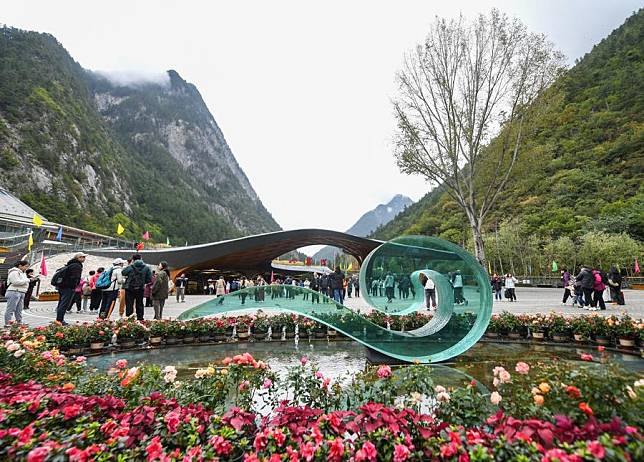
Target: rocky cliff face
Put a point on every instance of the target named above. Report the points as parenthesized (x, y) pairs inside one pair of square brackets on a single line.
[(91, 153)]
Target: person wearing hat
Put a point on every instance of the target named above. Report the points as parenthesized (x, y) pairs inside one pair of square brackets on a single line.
[(111, 293), (71, 278)]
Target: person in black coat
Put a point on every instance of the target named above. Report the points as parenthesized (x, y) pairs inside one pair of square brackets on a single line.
[(586, 280), (71, 278)]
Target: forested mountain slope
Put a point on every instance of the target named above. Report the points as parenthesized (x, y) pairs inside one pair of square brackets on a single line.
[(582, 166), (90, 153)]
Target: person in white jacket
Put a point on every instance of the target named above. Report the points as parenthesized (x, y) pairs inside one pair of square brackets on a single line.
[(17, 285)]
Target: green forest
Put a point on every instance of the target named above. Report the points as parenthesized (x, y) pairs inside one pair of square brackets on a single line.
[(576, 194)]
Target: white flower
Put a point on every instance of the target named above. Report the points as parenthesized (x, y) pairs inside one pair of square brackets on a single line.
[(631, 392), (495, 398), (442, 397), (19, 353), (439, 389), (639, 383), (169, 374), (415, 397), (13, 346)]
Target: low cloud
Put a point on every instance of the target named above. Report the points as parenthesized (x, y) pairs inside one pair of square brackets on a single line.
[(135, 78)]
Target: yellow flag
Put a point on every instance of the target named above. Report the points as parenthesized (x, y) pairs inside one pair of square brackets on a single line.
[(31, 241), (120, 229), (489, 267), (350, 266), (37, 220)]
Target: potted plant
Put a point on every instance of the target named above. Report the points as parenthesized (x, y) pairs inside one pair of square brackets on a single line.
[(243, 327), (290, 322), (201, 329), (129, 332), (218, 329), (494, 327), (99, 334), (71, 340), (260, 327), (560, 328), (158, 330), (580, 328), (188, 331), (600, 330), (539, 326), (627, 331), (173, 332)]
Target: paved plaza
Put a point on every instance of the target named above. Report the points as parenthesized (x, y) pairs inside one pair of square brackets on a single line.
[(530, 300)]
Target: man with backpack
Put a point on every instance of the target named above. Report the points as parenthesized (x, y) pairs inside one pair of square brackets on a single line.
[(65, 280), (110, 284), (137, 276)]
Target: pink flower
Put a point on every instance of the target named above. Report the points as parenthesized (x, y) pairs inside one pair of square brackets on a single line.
[(220, 445), (121, 363), (367, 453), (244, 385), (267, 383), (71, 411), (384, 372), (586, 357), (154, 450), (495, 398), (227, 361), (38, 454), (336, 449), (81, 359), (401, 453), (307, 451), (601, 348), (522, 368), (596, 449), (304, 360), (319, 375), (504, 376), (252, 457)]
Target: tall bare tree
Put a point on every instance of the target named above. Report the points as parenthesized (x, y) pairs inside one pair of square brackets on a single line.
[(466, 84)]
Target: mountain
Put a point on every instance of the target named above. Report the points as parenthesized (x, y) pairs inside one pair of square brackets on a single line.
[(89, 151), (581, 168), (370, 221)]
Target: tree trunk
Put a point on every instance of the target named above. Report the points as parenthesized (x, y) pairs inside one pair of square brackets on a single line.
[(479, 247)]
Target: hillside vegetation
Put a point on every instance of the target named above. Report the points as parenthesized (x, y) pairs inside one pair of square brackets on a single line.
[(580, 171)]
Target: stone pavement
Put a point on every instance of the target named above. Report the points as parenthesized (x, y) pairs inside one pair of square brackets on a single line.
[(529, 300)]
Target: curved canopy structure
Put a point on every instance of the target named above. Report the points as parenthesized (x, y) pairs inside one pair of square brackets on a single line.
[(391, 279), (252, 253)]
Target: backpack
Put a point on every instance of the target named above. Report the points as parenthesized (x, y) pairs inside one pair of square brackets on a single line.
[(135, 279), (59, 276), (104, 280), (3, 288)]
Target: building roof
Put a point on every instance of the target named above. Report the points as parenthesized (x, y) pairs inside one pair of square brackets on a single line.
[(12, 207)]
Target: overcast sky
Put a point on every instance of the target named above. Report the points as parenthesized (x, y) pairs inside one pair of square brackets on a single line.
[(301, 90)]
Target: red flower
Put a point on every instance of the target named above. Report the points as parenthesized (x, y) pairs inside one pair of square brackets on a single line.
[(308, 451), (38, 454), (601, 348), (384, 372), (220, 445), (573, 391), (585, 408), (336, 449), (401, 453), (71, 411), (367, 453), (60, 335), (596, 449), (260, 442), (154, 449), (586, 357)]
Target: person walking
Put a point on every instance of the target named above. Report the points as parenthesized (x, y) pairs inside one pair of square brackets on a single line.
[(33, 280), (336, 284), (70, 277), (356, 286), (497, 286), (430, 291), (615, 284), (389, 284), (586, 280), (180, 285), (160, 289), (565, 279), (457, 284), (111, 293), (220, 290), (137, 275), (17, 285), (598, 291), (315, 287), (510, 282), (95, 298)]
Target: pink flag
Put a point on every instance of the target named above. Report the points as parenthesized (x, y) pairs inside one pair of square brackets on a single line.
[(637, 266), (43, 265), (146, 236)]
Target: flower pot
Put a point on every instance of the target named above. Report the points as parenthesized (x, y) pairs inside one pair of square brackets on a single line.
[(601, 340), (560, 337), (290, 334), (243, 335), (627, 343), (492, 334), (319, 333), (155, 340), (204, 338), (171, 340), (538, 335), (75, 350), (332, 333), (515, 335), (188, 339), (260, 334), (221, 337), (580, 338), (95, 346), (127, 343)]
